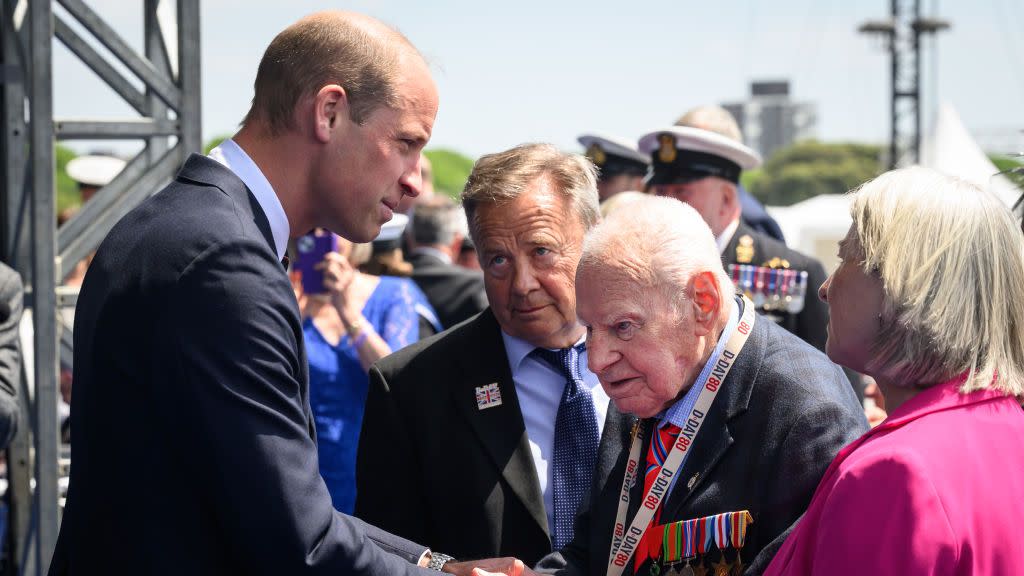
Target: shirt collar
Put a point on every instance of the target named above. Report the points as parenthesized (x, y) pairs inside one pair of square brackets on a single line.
[(725, 237), (231, 155), (433, 252), (679, 412), (518, 349)]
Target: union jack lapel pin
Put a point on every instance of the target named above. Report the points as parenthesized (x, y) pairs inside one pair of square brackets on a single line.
[(488, 396)]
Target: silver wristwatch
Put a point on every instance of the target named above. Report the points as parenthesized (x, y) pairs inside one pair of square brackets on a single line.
[(438, 560)]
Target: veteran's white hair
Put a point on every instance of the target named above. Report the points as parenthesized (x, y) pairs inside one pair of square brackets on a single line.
[(951, 260), (659, 243)]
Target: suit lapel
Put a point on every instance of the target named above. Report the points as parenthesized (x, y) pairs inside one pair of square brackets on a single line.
[(614, 439), (500, 429)]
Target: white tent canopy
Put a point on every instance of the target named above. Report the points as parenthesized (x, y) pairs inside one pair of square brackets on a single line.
[(951, 149), (816, 225)]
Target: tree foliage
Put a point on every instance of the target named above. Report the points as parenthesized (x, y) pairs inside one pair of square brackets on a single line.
[(67, 189), (810, 168), (451, 170)]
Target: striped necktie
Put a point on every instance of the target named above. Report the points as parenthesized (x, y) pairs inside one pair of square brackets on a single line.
[(661, 442)]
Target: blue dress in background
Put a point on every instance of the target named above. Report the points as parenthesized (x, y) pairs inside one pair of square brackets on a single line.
[(337, 382)]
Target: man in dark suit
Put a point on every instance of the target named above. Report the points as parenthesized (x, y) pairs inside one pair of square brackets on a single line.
[(435, 241), (702, 168), (483, 399), (194, 441), (755, 413)]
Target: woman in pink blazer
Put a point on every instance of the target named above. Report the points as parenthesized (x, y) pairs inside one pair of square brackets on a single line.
[(929, 300)]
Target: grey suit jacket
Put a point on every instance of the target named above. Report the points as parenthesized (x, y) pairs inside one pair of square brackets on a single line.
[(194, 440), (783, 413), (422, 417)]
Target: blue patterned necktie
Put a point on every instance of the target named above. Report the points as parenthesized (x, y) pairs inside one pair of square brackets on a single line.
[(576, 441)]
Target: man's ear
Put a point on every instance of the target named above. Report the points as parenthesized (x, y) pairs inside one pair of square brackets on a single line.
[(456, 245), (330, 110), (707, 301), (730, 201)]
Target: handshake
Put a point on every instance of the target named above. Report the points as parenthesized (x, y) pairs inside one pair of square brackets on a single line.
[(489, 567)]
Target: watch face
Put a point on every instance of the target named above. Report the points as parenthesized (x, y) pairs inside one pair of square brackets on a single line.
[(437, 561)]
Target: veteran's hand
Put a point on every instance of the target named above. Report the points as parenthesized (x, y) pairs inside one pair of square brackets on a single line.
[(488, 567)]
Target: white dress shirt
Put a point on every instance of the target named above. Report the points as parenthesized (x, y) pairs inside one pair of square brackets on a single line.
[(539, 388), (235, 159), (723, 239)]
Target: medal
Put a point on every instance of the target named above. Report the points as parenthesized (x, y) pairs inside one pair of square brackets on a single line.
[(699, 569), (722, 568)]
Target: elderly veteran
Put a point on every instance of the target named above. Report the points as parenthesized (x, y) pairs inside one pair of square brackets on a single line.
[(621, 167), (737, 417), (927, 300), (702, 168)]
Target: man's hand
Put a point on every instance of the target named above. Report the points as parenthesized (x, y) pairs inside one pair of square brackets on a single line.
[(488, 567)]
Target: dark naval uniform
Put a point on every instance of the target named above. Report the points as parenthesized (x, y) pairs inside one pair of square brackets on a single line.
[(782, 283), (794, 306)]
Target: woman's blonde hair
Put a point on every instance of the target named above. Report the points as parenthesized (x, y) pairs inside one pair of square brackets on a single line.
[(951, 260)]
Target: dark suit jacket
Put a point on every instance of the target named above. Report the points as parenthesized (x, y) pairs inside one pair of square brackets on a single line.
[(810, 324), (422, 416), (782, 414), (456, 293), (193, 439)]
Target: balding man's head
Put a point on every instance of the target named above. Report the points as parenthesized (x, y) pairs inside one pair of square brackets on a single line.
[(359, 53)]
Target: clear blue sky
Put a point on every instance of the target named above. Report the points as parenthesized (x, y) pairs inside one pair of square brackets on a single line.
[(510, 72)]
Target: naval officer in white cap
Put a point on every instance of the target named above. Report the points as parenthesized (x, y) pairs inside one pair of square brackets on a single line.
[(703, 169), (621, 167), (93, 171)]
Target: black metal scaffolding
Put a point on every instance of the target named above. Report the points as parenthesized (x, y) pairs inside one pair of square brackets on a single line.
[(168, 123), (902, 33)]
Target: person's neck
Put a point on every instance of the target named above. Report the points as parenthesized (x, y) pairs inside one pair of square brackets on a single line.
[(284, 166), (894, 394), (564, 339), (443, 249)]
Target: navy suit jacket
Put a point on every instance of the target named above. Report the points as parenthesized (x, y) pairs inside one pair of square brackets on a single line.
[(783, 413), (194, 448)]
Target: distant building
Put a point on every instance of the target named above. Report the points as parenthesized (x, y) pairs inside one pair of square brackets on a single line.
[(770, 120)]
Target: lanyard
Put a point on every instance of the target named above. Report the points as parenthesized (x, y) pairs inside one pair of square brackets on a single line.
[(624, 542)]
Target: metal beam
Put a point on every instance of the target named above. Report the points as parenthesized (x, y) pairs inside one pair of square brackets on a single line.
[(189, 76), (83, 244), (44, 242), (161, 85), (101, 202), (156, 52), (14, 146), (142, 128), (91, 58)]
